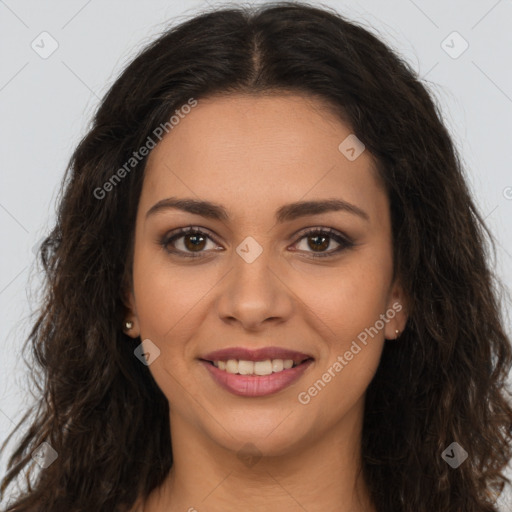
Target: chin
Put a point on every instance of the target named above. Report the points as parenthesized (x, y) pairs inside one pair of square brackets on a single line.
[(271, 435)]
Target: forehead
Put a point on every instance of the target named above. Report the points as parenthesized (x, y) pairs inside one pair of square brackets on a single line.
[(264, 149)]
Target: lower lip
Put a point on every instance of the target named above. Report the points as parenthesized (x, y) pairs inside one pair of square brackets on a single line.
[(255, 385)]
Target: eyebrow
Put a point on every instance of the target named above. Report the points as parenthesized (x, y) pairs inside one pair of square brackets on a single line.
[(285, 213)]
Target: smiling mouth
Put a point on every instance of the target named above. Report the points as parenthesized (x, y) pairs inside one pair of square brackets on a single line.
[(257, 368)]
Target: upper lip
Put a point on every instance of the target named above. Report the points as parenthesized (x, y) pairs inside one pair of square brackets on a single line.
[(259, 354)]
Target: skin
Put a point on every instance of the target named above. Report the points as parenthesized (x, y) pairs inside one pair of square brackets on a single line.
[(253, 154)]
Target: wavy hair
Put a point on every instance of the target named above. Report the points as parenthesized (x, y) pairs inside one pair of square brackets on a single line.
[(444, 382)]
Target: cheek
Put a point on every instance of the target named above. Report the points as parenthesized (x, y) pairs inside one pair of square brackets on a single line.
[(348, 299), (167, 296), (168, 302), (346, 307)]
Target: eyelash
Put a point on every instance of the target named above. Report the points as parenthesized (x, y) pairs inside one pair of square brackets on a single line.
[(344, 241)]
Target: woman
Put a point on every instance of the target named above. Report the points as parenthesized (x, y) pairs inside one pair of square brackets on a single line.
[(267, 288)]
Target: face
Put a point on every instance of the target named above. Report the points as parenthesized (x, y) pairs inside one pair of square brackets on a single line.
[(255, 272)]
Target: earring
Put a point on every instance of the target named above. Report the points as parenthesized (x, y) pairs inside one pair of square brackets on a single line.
[(397, 333), (128, 325)]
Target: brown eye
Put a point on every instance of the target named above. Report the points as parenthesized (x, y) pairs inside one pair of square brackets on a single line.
[(194, 241), (189, 242), (318, 240)]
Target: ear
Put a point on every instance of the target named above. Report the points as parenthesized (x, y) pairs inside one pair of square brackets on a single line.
[(396, 312), (131, 321)]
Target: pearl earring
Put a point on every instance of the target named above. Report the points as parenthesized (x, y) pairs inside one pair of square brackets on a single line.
[(128, 325), (397, 333)]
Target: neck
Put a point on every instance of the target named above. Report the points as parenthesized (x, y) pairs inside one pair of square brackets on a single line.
[(320, 474)]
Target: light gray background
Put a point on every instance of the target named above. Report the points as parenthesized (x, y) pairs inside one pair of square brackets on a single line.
[(46, 105)]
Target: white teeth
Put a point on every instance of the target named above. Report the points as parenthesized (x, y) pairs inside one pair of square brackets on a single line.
[(232, 366), (263, 367), (244, 367), (277, 365)]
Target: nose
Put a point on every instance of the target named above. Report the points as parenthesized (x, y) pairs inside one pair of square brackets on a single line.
[(254, 294)]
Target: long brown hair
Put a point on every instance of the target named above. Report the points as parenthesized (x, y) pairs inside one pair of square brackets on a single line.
[(443, 382)]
